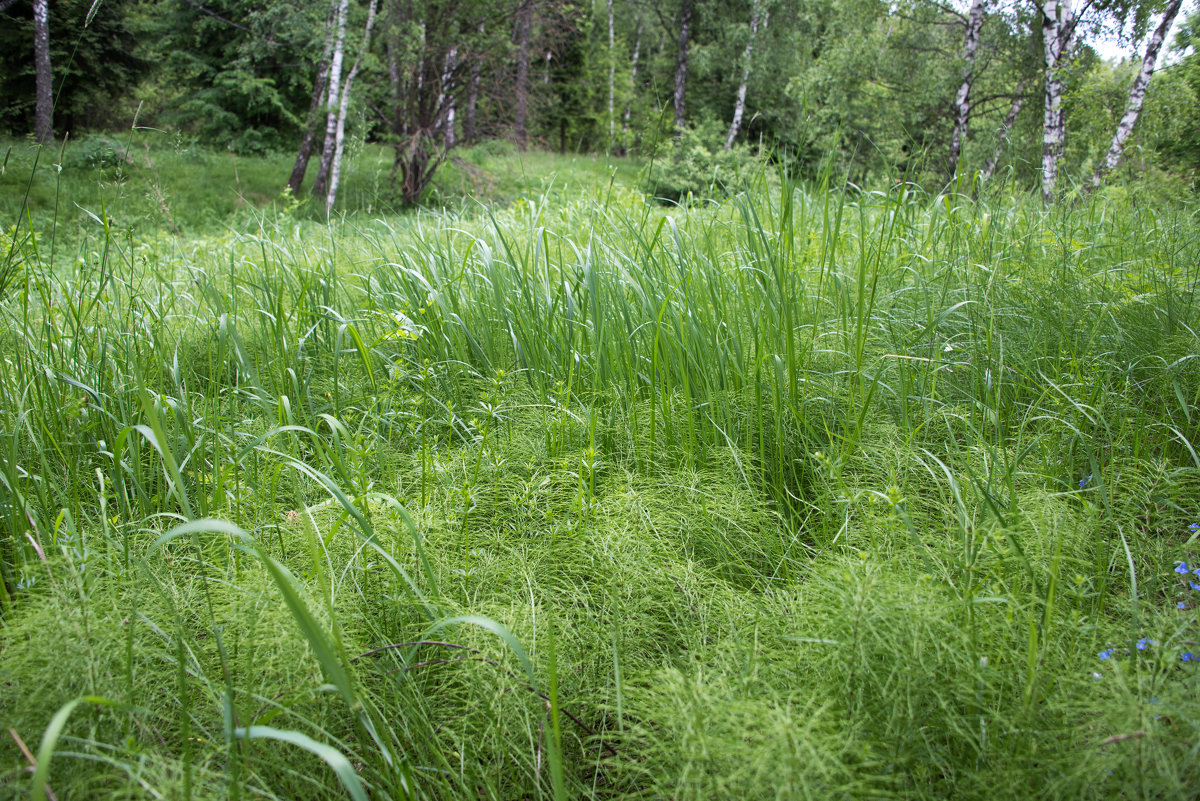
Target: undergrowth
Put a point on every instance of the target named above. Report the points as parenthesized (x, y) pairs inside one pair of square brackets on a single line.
[(809, 493)]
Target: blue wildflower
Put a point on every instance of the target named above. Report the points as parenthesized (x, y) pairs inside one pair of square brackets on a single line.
[(1106, 653), (1083, 482), (1182, 569), (1194, 526), (1181, 605), (1194, 586), (1145, 641), (1197, 571), (1187, 656)]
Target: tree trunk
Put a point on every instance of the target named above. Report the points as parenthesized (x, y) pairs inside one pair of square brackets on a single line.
[(446, 97), (739, 107), (1057, 28), (986, 173), (320, 89), (1137, 94), (335, 171), (321, 184), (472, 96), (625, 117), (612, 80), (685, 41), (524, 27), (44, 108), (962, 103)]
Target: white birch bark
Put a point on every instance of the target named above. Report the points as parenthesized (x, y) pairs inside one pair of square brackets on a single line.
[(612, 78), (1057, 29), (1005, 128), (739, 108), (340, 9), (1137, 94), (43, 89), (335, 171), (962, 102), (446, 98)]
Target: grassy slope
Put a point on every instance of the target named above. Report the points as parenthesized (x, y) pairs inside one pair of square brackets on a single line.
[(835, 497)]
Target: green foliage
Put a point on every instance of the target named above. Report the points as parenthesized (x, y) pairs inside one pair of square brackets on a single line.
[(237, 75), (696, 166), (96, 65)]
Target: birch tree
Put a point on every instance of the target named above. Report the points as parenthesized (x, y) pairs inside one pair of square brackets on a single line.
[(335, 170), (332, 103), (962, 102), (739, 107), (1137, 94), (44, 108), (1058, 30)]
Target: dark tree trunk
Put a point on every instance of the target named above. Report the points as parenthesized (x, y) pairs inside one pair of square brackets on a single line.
[(44, 108), (685, 41), (320, 88), (637, 50), (524, 29), (472, 98)]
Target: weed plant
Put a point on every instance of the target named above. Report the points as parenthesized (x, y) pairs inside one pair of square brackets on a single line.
[(810, 493)]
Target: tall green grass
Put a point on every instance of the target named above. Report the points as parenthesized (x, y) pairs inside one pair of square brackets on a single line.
[(811, 492)]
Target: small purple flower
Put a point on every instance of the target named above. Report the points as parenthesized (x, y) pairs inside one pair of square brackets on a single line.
[(1194, 586), (1182, 569), (1197, 571), (1194, 526), (1145, 641), (1083, 482), (1187, 656), (1106, 653), (1181, 605)]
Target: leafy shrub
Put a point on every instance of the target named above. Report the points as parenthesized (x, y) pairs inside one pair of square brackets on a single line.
[(697, 166), (95, 153)]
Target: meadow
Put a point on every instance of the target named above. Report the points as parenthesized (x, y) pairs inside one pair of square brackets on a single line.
[(812, 491)]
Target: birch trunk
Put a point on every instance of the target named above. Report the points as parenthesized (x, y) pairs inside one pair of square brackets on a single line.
[(1005, 128), (44, 108), (1137, 94), (962, 103), (446, 98), (335, 171), (612, 79), (685, 41), (1057, 28), (524, 25), (340, 10), (739, 107), (320, 89)]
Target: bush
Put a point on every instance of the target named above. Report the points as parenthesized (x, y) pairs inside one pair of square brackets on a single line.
[(95, 153), (697, 166)]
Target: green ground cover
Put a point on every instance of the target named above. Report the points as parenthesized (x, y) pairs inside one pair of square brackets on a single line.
[(805, 493)]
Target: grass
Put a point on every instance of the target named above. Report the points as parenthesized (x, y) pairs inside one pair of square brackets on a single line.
[(809, 492)]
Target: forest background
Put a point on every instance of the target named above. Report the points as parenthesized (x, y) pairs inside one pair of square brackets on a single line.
[(917, 89)]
